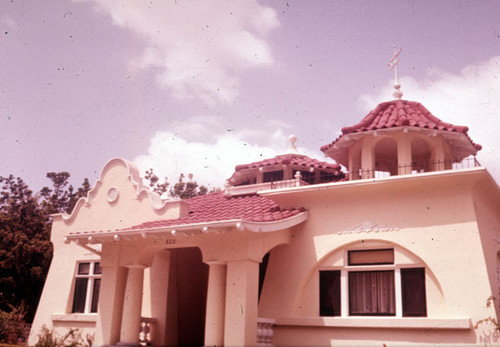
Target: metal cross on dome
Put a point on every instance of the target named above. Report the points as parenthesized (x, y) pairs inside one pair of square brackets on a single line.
[(393, 64)]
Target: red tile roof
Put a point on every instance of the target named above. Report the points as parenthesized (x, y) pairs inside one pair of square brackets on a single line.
[(289, 159), (216, 207), (399, 113)]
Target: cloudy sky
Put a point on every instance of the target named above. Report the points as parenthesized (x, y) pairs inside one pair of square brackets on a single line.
[(201, 86)]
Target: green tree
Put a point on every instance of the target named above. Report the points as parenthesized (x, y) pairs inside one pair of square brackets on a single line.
[(181, 189), (154, 184), (25, 249), (61, 198), (187, 190)]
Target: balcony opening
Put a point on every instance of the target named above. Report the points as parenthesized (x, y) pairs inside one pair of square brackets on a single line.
[(386, 158)]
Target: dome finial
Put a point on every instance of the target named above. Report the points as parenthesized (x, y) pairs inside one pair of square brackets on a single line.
[(292, 148), (393, 64)]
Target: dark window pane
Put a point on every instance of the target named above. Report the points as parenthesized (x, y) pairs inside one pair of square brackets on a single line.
[(95, 295), (371, 257), (83, 268), (272, 176), (371, 293), (329, 293), (80, 295), (413, 292), (97, 269), (262, 272), (307, 176)]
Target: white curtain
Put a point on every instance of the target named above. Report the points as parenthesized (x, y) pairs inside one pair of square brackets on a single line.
[(371, 293)]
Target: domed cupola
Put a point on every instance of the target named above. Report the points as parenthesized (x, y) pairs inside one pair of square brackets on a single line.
[(286, 170), (400, 137)]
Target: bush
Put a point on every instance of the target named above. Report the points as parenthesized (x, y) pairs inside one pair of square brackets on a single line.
[(12, 326), (73, 338)]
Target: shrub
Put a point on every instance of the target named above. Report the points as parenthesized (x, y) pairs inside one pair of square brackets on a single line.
[(12, 326), (73, 338)]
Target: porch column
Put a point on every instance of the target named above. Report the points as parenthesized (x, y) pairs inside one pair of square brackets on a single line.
[(110, 305), (132, 306), (242, 289), (216, 298)]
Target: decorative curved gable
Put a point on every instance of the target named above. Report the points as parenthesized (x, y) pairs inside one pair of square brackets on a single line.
[(119, 199)]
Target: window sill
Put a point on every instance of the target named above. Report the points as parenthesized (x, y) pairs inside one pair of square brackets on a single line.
[(378, 322), (75, 317)]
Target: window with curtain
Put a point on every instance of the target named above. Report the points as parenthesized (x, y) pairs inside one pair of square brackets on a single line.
[(87, 287), (371, 288), (371, 293)]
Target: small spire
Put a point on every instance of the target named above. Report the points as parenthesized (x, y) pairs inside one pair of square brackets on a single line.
[(292, 149), (393, 64)]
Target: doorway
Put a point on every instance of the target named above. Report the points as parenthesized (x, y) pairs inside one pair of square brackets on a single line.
[(186, 298)]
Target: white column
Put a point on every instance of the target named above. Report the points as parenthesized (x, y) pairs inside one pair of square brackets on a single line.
[(404, 156), (398, 295), (159, 288), (242, 290), (110, 305), (367, 160), (132, 306), (216, 299), (344, 295)]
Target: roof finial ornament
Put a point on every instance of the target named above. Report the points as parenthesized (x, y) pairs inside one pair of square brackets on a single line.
[(393, 64), (292, 149)]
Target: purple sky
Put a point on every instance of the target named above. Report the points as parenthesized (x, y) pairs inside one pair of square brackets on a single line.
[(188, 86)]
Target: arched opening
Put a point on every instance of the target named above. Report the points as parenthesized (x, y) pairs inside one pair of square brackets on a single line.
[(420, 156), (386, 158)]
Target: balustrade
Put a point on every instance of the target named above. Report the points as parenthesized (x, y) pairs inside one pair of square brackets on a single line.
[(146, 331), (265, 332)]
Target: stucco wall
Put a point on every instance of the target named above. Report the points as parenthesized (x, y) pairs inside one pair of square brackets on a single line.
[(430, 221)]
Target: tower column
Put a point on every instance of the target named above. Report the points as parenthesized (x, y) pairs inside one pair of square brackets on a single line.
[(404, 156), (368, 160)]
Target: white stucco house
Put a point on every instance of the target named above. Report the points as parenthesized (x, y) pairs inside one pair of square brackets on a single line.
[(400, 247)]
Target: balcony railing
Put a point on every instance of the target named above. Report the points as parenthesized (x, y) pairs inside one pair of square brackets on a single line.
[(414, 168)]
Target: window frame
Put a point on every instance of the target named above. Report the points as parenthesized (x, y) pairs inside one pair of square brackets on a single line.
[(88, 304), (345, 293)]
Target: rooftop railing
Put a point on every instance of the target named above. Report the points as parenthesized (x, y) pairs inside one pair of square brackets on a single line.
[(407, 169)]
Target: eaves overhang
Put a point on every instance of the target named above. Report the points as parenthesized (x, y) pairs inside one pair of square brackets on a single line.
[(183, 230), (462, 146)]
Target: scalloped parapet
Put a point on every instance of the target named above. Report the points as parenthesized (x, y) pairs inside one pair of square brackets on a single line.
[(119, 199)]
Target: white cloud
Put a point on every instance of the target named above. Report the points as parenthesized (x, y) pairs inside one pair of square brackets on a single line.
[(199, 46), (210, 162), (469, 98)]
